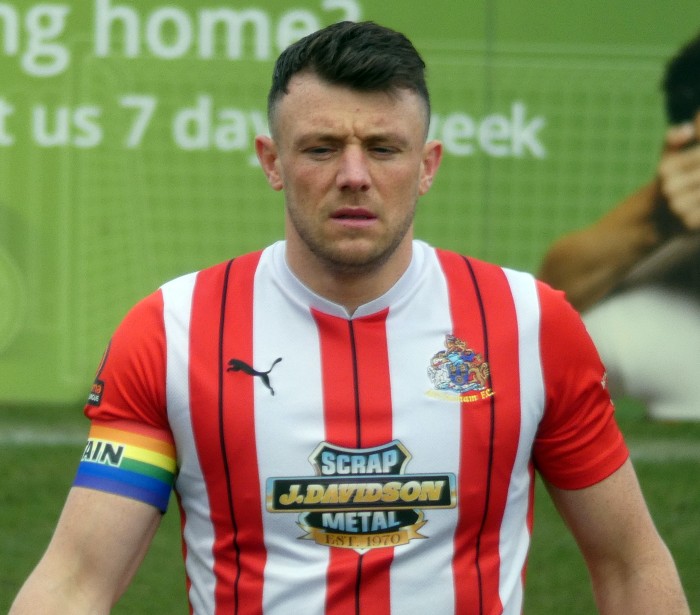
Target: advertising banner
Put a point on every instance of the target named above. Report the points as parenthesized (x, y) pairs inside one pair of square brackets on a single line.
[(126, 144)]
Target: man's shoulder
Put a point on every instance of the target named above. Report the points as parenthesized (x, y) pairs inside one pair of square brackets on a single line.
[(483, 267), (216, 272)]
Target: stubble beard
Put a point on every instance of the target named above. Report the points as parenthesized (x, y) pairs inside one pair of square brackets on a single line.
[(343, 261)]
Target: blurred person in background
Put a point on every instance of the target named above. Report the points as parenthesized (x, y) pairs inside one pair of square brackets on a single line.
[(351, 418), (635, 273)]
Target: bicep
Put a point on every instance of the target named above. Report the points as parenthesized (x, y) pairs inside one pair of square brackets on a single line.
[(99, 542), (631, 569), (609, 520)]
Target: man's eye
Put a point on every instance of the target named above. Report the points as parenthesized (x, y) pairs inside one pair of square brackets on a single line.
[(383, 150), (321, 150)]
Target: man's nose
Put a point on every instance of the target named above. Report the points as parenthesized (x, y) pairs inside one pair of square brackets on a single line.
[(353, 173)]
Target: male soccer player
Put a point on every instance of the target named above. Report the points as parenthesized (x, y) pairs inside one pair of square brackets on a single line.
[(352, 419)]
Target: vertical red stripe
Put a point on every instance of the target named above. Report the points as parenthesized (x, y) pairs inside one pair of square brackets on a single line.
[(504, 355), (358, 414), (203, 372), (377, 429), (222, 402), (483, 317)]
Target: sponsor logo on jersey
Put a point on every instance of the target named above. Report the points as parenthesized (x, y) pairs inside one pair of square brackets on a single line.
[(361, 498), (98, 386), (459, 373), (95, 396)]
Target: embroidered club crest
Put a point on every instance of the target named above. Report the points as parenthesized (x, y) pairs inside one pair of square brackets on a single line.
[(458, 368)]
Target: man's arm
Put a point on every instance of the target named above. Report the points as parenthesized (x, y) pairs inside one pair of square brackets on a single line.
[(589, 263), (631, 568), (99, 542)]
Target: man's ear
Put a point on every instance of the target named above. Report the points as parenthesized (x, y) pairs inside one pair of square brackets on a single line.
[(432, 156), (266, 150)]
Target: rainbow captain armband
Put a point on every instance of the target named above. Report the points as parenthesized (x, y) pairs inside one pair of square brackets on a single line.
[(128, 463)]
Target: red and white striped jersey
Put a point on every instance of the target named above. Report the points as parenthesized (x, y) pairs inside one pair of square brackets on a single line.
[(376, 464)]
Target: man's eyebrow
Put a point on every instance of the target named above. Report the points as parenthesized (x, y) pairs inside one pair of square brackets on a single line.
[(317, 137), (379, 138), (387, 138)]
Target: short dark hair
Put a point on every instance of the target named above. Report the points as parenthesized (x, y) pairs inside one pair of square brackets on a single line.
[(681, 83), (363, 56)]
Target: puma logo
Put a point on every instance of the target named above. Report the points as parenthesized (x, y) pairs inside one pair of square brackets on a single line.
[(236, 365)]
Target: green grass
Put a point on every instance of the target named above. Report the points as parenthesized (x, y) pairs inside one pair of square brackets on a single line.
[(36, 480), (557, 578)]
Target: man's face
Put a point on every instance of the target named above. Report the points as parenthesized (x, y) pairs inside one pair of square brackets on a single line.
[(352, 166)]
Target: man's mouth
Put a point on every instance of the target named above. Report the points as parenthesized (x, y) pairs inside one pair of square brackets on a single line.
[(349, 213)]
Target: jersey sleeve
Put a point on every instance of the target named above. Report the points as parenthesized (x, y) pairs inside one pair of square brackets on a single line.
[(578, 442), (130, 449)]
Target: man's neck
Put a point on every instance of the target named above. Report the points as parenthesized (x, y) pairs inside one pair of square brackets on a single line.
[(345, 287)]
